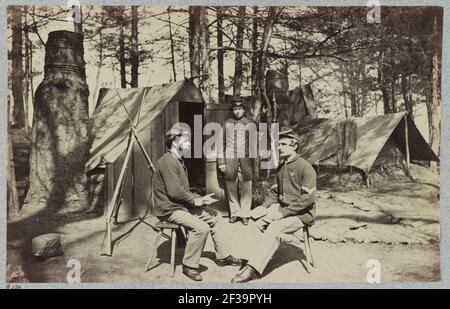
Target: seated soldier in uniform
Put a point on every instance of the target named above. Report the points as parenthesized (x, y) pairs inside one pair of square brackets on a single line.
[(175, 203), (287, 209)]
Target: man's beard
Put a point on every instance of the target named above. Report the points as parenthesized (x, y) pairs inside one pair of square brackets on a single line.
[(184, 153)]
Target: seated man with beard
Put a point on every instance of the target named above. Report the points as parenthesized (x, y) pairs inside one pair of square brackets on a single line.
[(175, 203)]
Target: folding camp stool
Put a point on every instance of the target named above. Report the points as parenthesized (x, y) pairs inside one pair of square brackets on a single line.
[(306, 249), (161, 226)]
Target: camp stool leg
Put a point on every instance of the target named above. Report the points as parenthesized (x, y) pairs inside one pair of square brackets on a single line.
[(307, 251), (154, 250), (309, 246), (173, 236)]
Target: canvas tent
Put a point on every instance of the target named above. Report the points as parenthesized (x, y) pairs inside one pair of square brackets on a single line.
[(110, 125), (379, 140), (128, 130)]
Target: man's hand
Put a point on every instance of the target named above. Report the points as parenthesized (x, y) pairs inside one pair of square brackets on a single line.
[(199, 202), (205, 200), (223, 168), (208, 199)]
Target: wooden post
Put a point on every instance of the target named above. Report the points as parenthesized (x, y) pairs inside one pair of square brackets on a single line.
[(407, 145), (113, 202)]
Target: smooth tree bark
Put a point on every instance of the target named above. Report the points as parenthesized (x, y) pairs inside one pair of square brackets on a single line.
[(237, 82), (134, 53), (17, 67)]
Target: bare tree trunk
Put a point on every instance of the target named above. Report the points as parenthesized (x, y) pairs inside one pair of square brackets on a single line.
[(78, 24), (122, 63), (31, 76), (199, 50), (206, 62), (26, 81), (194, 41), (434, 108), (353, 101), (60, 128), (267, 35), (99, 69), (220, 54), (17, 69), (134, 55), (382, 85), (172, 47), (237, 85), (13, 197), (407, 96), (394, 101), (254, 74)]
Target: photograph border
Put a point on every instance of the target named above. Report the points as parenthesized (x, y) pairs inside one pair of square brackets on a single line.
[(444, 157)]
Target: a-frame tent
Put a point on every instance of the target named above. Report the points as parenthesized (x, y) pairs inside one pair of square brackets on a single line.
[(379, 140)]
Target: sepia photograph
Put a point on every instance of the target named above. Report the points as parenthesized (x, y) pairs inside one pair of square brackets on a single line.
[(184, 144)]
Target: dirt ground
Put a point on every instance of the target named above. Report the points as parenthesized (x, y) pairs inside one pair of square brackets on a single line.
[(399, 226)]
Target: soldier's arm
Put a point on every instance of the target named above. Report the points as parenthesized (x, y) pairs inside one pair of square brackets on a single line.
[(307, 196)]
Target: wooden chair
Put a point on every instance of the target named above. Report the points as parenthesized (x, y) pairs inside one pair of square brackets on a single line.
[(172, 237), (306, 249)]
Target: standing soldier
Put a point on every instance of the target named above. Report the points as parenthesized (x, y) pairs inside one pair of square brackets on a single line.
[(239, 162)]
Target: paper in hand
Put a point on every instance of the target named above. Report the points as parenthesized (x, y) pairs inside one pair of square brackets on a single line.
[(208, 199)]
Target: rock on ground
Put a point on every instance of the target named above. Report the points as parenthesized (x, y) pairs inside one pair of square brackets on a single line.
[(47, 246)]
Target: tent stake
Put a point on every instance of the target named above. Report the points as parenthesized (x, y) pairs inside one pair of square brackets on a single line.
[(407, 145)]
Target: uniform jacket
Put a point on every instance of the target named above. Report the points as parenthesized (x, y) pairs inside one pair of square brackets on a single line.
[(296, 191), (239, 155)]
